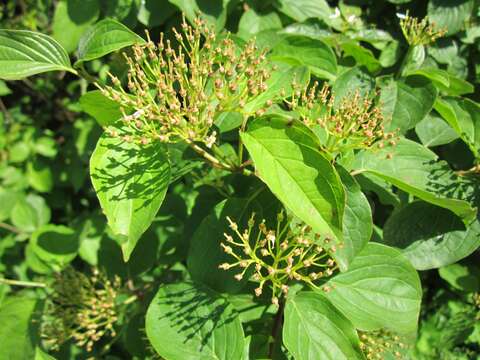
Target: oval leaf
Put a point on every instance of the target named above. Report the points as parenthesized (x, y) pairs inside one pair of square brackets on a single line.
[(381, 289), (287, 159), (188, 322), (315, 329), (24, 53), (104, 110), (130, 181), (415, 169), (429, 236), (55, 245), (19, 330), (406, 102), (205, 253), (105, 37), (357, 218), (314, 53)]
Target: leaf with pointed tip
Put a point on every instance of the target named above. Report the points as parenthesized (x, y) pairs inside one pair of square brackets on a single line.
[(130, 181), (406, 102), (105, 37), (19, 330), (429, 236), (314, 53), (434, 131), (315, 329), (416, 170), (463, 115), (381, 289), (287, 158), (24, 53), (357, 218), (186, 321)]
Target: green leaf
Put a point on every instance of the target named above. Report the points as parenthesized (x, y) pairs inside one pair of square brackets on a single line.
[(313, 53), (124, 10), (287, 158), (153, 12), (205, 253), (352, 80), (56, 245), (463, 115), (130, 181), (24, 53), (384, 190), (19, 152), (30, 213), (212, 11), (227, 121), (40, 175), (20, 327), (105, 37), (450, 14), (444, 51), (8, 199), (315, 329), (42, 355), (310, 28), (34, 263), (252, 23), (434, 131), (357, 218), (281, 80), (301, 10), (381, 289), (429, 236), (4, 89), (71, 19), (414, 60), (462, 277), (390, 54), (361, 55), (416, 170), (444, 81), (46, 146), (188, 322), (104, 110), (406, 102)]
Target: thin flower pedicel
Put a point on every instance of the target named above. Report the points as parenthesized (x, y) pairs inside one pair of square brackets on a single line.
[(280, 256)]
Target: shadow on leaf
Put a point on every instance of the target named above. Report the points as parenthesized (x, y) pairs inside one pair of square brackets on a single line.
[(127, 171), (195, 312)]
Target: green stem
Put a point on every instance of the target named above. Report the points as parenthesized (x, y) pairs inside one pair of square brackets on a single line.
[(83, 73), (22, 283), (240, 142), (357, 172), (130, 300), (10, 228), (277, 324), (207, 156)]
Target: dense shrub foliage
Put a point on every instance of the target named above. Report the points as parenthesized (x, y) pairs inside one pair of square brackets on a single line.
[(239, 179)]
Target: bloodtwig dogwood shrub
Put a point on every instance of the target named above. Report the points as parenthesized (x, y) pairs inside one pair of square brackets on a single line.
[(270, 196)]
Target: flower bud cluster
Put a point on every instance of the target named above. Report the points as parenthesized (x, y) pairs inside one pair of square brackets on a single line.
[(420, 32), (80, 308), (354, 123), (377, 344), (175, 94), (276, 257)]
